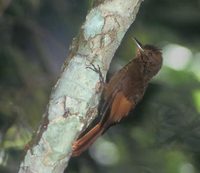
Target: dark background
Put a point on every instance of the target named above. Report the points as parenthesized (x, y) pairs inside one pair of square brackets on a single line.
[(161, 136)]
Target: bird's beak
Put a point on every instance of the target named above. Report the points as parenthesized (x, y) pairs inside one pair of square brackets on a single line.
[(139, 45)]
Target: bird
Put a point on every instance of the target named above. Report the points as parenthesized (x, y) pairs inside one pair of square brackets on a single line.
[(122, 93)]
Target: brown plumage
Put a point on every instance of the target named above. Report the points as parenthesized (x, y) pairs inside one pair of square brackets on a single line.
[(124, 90)]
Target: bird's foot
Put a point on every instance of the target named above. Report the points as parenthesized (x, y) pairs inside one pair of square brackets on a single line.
[(97, 70)]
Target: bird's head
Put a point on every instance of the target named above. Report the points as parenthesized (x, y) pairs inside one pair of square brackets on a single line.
[(150, 56)]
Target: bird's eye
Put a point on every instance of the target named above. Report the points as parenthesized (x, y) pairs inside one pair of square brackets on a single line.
[(150, 53)]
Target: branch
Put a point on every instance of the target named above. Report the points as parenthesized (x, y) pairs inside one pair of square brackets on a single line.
[(74, 99)]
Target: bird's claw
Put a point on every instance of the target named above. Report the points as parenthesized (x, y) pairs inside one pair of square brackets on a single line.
[(97, 70)]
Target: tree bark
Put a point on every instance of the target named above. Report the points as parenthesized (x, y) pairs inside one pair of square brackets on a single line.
[(74, 99)]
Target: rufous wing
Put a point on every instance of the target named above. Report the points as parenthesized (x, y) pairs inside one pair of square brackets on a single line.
[(120, 108)]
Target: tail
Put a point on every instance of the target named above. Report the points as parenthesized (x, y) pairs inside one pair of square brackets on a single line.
[(88, 139)]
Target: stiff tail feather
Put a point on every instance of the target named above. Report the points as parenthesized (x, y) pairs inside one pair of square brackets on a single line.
[(88, 139)]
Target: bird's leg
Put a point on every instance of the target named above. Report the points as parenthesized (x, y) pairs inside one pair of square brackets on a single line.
[(97, 70)]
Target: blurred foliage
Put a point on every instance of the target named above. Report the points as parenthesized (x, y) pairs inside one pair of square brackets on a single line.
[(162, 135)]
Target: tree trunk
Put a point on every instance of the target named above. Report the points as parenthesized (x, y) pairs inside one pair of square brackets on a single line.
[(74, 99)]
